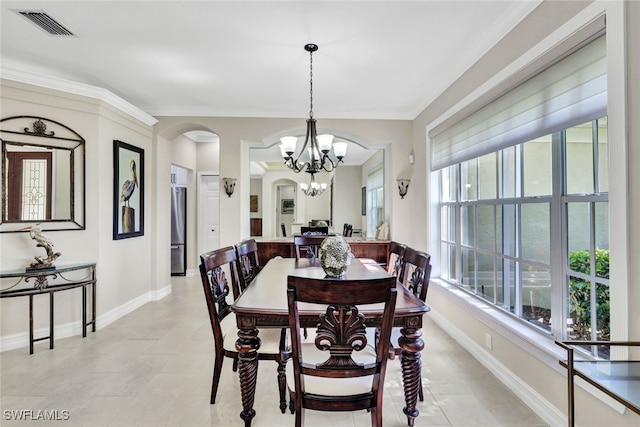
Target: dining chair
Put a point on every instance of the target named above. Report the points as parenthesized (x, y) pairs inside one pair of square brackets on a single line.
[(394, 258), (247, 252), (339, 370), (307, 245), (416, 272), (214, 267)]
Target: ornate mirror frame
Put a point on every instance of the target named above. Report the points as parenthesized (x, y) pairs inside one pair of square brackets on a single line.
[(65, 182)]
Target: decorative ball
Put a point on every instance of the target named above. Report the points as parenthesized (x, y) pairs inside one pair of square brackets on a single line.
[(335, 256)]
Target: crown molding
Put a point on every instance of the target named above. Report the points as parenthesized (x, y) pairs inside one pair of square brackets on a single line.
[(78, 89)]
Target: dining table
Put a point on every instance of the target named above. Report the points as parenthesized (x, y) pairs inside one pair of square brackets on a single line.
[(263, 304)]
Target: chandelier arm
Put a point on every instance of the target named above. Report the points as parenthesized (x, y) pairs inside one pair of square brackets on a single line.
[(312, 192), (327, 160), (300, 165)]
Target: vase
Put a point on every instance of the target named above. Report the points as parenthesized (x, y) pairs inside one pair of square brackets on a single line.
[(335, 256)]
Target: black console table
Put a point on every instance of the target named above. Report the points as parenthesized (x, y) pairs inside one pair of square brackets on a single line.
[(62, 278), (618, 379)]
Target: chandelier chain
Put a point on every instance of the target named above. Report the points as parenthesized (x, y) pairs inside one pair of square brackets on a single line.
[(311, 84), (313, 156)]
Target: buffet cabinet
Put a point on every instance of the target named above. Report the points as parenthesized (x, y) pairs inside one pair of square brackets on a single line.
[(374, 249)]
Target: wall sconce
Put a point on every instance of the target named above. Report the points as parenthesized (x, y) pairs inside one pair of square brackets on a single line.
[(229, 185), (403, 186)]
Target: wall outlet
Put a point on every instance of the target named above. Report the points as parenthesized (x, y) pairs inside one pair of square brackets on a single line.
[(488, 342)]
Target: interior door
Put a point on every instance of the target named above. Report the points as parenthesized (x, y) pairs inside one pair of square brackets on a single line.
[(208, 214)]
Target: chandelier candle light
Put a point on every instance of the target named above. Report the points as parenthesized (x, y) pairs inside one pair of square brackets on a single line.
[(316, 146)]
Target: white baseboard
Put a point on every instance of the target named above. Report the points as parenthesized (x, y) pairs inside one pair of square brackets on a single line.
[(542, 407), (161, 293), (20, 340)]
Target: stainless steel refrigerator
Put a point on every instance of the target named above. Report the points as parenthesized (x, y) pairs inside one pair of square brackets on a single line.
[(178, 231)]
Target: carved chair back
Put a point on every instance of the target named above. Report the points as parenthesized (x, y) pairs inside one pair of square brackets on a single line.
[(307, 245), (247, 252), (394, 258), (216, 269), (341, 334), (416, 272)]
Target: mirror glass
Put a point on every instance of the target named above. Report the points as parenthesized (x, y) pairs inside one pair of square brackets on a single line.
[(340, 203), (42, 175)]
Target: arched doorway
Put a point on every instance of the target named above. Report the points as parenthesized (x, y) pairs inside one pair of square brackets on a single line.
[(285, 191)]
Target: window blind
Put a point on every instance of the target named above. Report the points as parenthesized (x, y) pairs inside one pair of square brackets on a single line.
[(569, 92)]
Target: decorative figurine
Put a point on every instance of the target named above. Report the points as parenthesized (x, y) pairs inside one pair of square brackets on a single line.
[(35, 231)]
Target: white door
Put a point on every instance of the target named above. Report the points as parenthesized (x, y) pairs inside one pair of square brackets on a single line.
[(208, 214)]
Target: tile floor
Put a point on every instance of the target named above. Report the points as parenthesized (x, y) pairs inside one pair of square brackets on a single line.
[(153, 368)]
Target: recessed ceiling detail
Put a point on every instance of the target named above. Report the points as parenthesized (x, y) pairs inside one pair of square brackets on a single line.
[(46, 22)]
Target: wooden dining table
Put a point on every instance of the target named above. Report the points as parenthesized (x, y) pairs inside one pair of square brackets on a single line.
[(263, 304)]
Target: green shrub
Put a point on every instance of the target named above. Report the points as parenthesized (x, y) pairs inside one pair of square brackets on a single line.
[(580, 295)]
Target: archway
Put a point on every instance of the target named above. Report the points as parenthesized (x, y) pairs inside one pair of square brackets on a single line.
[(193, 148)]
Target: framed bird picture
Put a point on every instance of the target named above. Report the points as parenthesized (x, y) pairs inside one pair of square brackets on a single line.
[(128, 190)]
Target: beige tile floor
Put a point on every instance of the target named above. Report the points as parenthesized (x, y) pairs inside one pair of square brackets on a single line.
[(153, 368)]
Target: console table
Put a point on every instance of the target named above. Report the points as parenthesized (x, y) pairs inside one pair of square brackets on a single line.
[(618, 379), (63, 278)]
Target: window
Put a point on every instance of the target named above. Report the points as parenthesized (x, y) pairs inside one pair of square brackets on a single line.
[(526, 227), (524, 196), (375, 200)]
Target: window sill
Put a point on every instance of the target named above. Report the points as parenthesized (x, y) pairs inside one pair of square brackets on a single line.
[(535, 342)]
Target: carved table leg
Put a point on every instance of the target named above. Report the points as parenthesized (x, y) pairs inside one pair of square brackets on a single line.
[(411, 344), (247, 346)]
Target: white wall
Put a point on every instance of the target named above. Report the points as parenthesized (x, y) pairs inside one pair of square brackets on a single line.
[(347, 185), (124, 267), (633, 70)]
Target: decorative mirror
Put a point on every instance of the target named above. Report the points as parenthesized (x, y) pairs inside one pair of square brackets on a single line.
[(43, 175)]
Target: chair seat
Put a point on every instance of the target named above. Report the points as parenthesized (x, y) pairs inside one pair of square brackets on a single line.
[(270, 338), (332, 386), (395, 335)]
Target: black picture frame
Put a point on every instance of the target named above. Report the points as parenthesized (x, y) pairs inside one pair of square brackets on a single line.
[(253, 203), (128, 198), (364, 201), (288, 206)]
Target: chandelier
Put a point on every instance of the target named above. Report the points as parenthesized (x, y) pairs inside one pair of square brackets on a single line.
[(313, 188), (317, 147)]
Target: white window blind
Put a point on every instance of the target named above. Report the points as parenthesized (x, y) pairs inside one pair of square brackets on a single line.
[(571, 91)]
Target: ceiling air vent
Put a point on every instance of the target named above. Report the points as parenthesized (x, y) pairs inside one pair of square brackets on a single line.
[(46, 22)]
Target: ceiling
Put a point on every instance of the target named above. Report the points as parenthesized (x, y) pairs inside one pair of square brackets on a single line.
[(376, 59)]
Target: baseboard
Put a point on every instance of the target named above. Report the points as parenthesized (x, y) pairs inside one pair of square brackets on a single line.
[(20, 340), (161, 293), (542, 407)]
